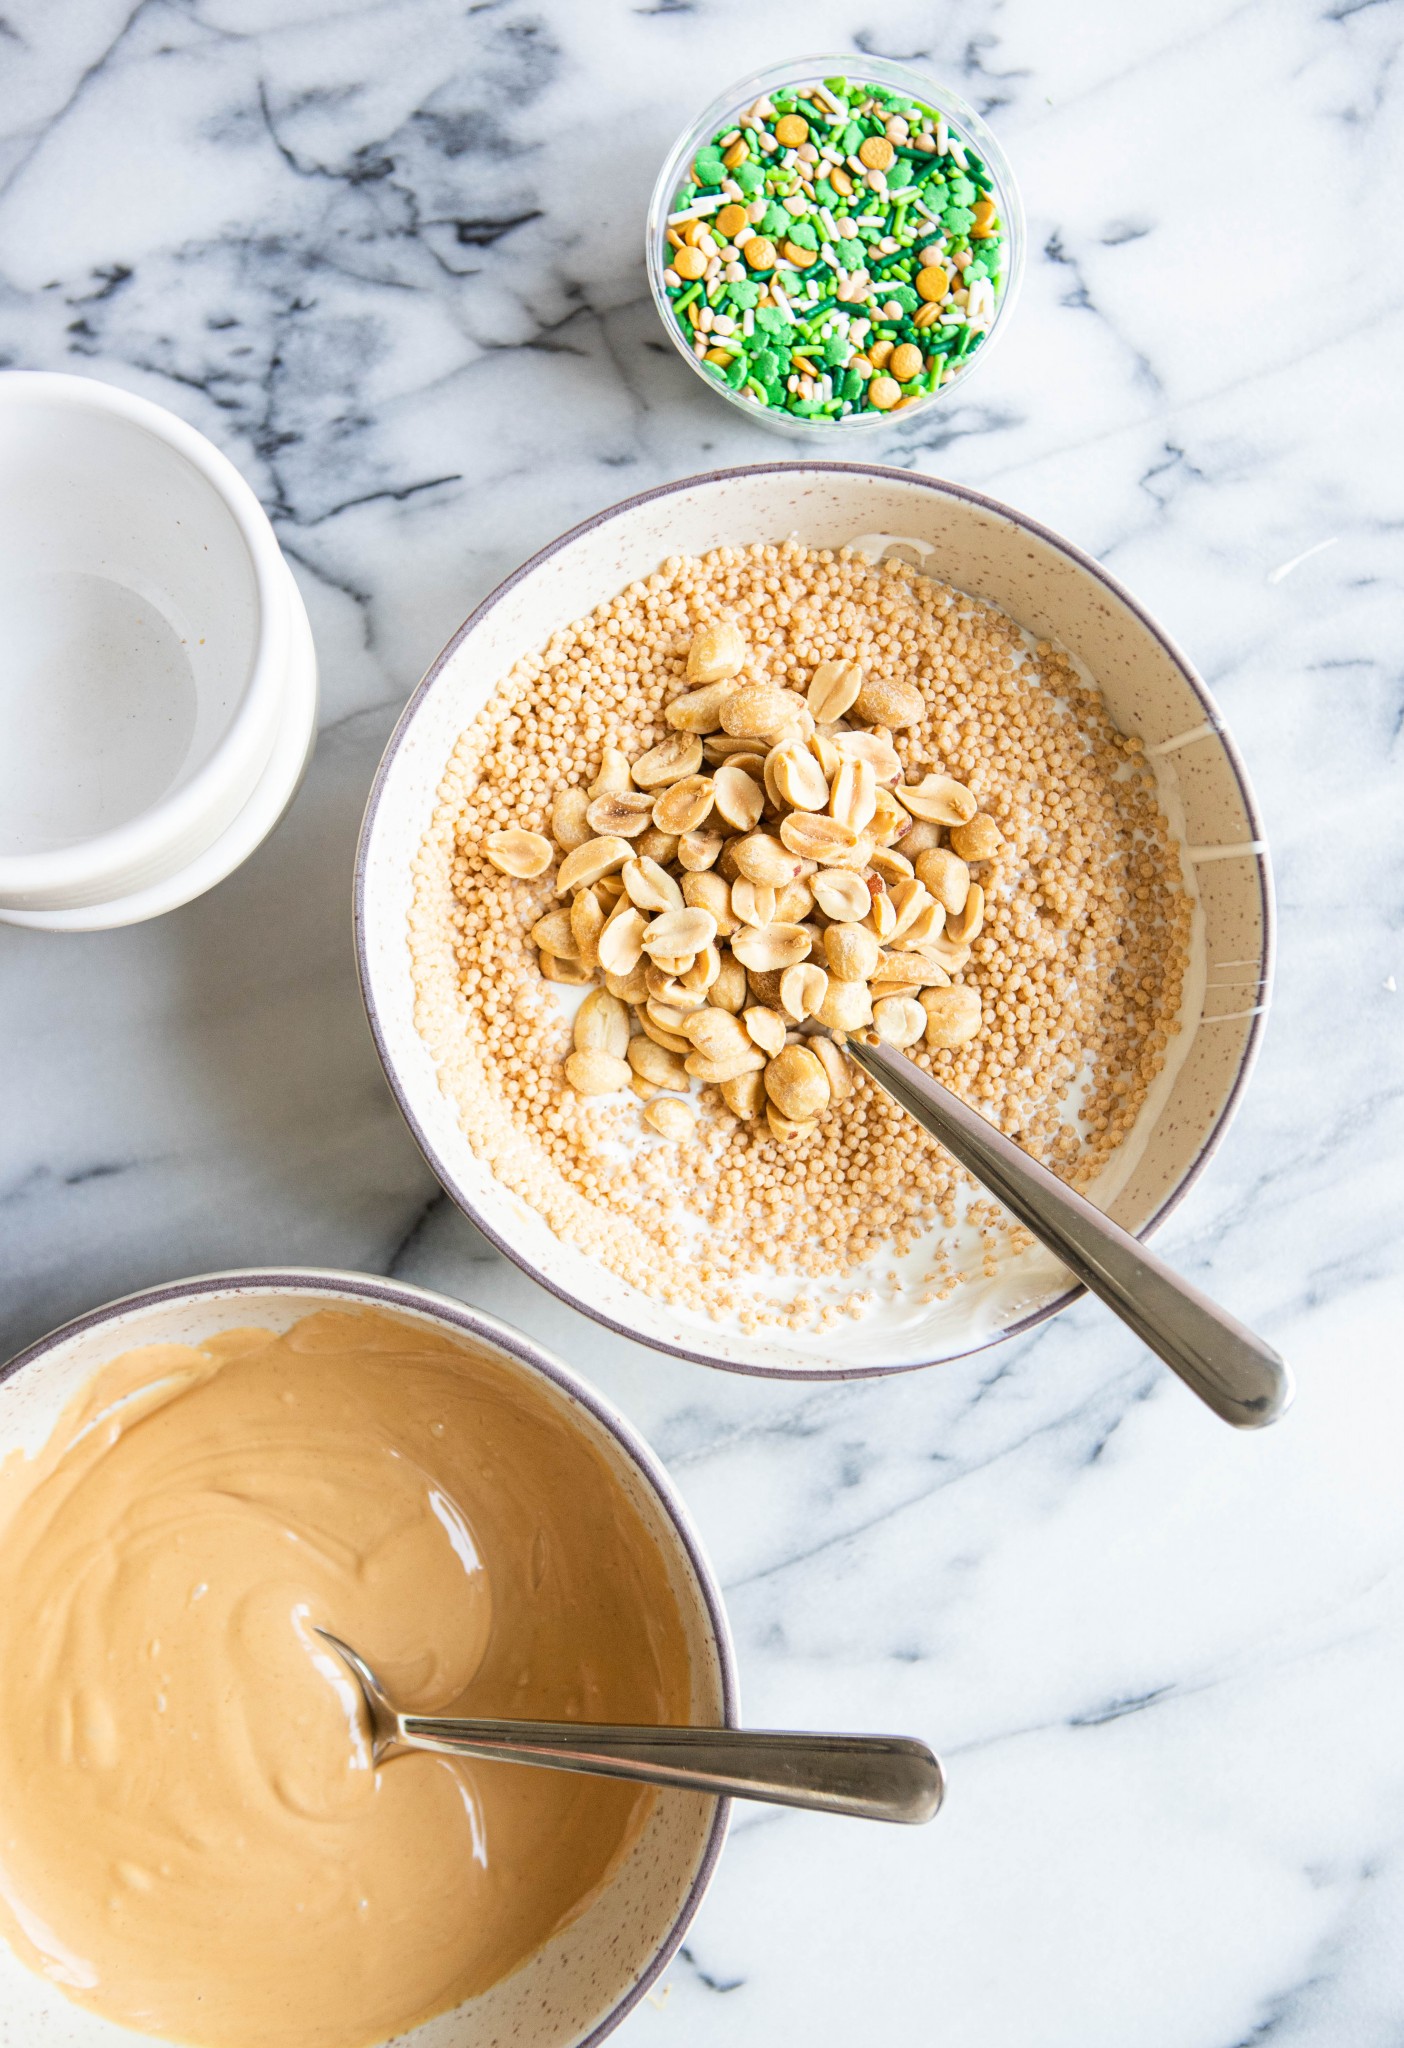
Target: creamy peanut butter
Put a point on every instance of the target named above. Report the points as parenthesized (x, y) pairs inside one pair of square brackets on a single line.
[(193, 1840)]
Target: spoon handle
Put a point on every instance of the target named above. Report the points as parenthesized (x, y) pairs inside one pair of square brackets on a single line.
[(872, 1777), (1239, 1376)]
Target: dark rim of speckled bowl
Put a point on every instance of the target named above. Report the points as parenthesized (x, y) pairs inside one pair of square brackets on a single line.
[(1090, 567), (473, 1322)]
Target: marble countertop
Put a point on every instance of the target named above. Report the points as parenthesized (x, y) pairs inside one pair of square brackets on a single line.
[(388, 256)]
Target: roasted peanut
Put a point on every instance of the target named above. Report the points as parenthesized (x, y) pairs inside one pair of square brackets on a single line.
[(601, 1025), (952, 1015), (697, 851), (841, 896), (833, 690), (979, 838), (851, 951), (679, 755), (947, 877), (621, 812), (718, 651), (699, 710), (766, 1027), (676, 933), (940, 799), (586, 923), (744, 1095), (737, 797), (569, 825), (523, 854), (671, 1118), (585, 864), (683, 805), (665, 1069), (802, 991), (882, 701), (899, 1020), (771, 949), (596, 1073), (795, 1081)]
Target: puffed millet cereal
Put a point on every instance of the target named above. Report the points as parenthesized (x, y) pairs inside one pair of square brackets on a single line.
[(1079, 930)]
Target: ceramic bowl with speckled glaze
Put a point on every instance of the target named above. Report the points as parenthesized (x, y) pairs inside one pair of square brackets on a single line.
[(578, 1987), (1054, 591)]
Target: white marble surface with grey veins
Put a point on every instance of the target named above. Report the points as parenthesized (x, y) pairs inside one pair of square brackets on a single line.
[(389, 257)]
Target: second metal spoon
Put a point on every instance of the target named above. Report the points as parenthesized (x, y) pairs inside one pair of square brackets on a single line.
[(1239, 1376), (872, 1777)]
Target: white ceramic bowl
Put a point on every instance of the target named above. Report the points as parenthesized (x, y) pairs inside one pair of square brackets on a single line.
[(984, 547), (159, 690), (578, 1988)]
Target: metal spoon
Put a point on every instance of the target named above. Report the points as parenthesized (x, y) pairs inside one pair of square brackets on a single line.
[(1239, 1376), (873, 1777)]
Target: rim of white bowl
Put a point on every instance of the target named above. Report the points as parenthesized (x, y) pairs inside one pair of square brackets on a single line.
[(169, 831), (524, 1350), (272, 798), (942, 487)]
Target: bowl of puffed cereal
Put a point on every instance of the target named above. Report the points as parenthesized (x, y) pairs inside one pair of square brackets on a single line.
[(764, 757)]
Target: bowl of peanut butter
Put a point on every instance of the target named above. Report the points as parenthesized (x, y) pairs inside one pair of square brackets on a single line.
[(196, 1844)]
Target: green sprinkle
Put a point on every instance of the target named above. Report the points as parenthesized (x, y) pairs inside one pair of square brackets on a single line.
[(745, 293), (685, 299)]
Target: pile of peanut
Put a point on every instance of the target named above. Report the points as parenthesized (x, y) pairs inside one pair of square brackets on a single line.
[(764, 865)]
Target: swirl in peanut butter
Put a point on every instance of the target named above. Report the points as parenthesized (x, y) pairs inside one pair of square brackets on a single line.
[(193, 1840)]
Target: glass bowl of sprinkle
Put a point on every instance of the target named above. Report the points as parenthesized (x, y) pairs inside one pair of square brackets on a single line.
[(829, 245)]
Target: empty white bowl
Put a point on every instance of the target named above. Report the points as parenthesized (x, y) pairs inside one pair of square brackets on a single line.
[(577, 1988), (158, 694), (1047, 585)]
